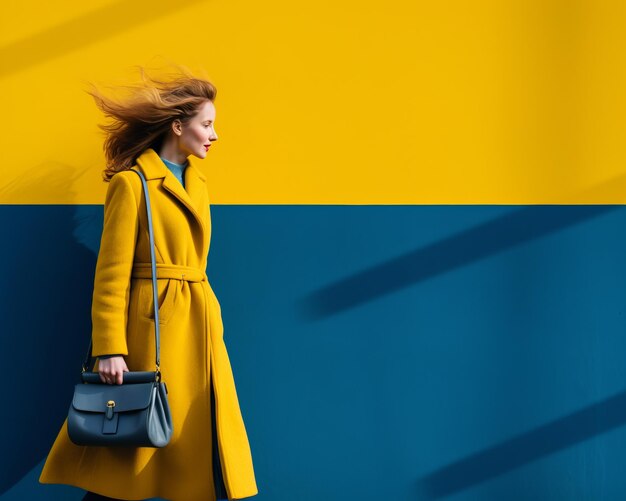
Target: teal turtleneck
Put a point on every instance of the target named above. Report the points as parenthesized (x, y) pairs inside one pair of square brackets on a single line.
[(177, 169)]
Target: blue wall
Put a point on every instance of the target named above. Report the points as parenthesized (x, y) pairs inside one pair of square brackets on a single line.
[(380, 352)]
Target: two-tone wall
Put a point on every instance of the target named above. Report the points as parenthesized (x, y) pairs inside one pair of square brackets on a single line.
[(419, 241)]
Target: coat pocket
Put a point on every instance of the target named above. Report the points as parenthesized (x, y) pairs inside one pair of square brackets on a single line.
[(167, 292)]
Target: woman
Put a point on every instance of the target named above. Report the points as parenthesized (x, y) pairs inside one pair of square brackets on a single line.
[(162, 131)]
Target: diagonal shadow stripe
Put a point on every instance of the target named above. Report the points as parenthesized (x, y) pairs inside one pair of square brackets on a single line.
[(482, 241), (88, 28), (551, 437)]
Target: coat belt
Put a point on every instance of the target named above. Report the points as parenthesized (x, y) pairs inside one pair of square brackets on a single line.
[(164, 270)]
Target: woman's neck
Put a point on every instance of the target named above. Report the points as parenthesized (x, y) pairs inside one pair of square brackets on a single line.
[(171, 152)]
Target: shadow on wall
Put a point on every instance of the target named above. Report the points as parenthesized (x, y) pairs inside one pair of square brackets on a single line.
[(94, 26), (46, 301), (485, 240), (480, 242), (48, 269), (47, 265), (517, 451), (48, 181)]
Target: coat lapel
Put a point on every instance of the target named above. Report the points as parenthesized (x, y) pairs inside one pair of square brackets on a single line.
[(191, 197)]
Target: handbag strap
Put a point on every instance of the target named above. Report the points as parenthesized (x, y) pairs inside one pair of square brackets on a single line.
[(89, 358)]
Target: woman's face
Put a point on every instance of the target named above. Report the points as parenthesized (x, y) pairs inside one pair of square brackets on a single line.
[(198, 134)]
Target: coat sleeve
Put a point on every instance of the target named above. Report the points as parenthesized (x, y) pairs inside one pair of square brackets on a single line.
[(109, 311)]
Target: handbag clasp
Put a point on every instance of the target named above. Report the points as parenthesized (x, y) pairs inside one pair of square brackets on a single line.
[(110, 406)]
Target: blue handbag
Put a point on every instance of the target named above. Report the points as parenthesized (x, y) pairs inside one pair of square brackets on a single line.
[(135, 413)]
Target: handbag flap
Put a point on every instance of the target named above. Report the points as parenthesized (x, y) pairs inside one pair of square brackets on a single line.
[(127, 397)]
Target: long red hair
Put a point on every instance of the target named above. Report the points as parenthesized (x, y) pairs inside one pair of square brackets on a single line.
[(144, 119)]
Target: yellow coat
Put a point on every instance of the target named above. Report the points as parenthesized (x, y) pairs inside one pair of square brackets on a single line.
[(193, 353)]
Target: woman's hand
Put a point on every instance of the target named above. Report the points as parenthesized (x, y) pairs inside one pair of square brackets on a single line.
[(112, 369)]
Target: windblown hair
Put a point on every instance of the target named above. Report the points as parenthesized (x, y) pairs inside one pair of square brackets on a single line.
[(144, 119)]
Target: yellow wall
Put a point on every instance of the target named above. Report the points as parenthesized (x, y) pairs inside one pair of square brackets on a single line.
[(347, 102)]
